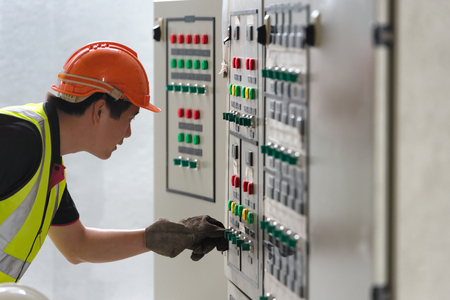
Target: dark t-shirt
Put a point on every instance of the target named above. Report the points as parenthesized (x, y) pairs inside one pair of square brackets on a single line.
[(20, 157)]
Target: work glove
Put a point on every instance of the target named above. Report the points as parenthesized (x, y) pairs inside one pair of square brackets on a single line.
[(200, 234)]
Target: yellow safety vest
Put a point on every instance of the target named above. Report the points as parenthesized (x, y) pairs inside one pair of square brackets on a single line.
[(25, 217)]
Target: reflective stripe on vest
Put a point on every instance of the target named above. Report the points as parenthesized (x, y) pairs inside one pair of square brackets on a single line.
[(12, 263)]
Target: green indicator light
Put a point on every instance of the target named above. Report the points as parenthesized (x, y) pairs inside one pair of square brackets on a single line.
[(293, 77), (204, 65), (196, 139), (177, 88), (181, 137), (192, 89), (201, 90), (292, 243), (277, 233), (264, 149), (185, 88), (169, 87), (245, 247), (177, 161), (243, 91), (230, 202), (188, 64), (293, 160), (263, 225), (196, 64), (173, 63), (264, 73), (240, 209), (185, 163), (231, 89), (250, 217), (278, 154), (188, 138), (180, 64), (192, 164), (252, 93), (237, 91)]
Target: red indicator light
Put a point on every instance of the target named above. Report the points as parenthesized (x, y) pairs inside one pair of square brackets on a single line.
[(233, 177), (250, 189), (204, 39), (196, 39), (180, 39), (180, 113), (188, 113), (196, 114), (188, 39), (173, 38), (236, 182), (245, 186)]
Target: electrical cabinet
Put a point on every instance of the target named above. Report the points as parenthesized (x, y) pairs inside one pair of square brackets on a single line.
[(271, 121)]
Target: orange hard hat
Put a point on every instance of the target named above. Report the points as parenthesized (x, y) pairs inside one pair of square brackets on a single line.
[(106, 67)]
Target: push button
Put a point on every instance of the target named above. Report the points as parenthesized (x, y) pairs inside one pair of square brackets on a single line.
[(177, 161), (169, 87), (185, 88), (185, 163), (192, 89), (193, 164)]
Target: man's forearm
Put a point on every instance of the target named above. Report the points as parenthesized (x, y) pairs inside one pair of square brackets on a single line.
[(81, 244)]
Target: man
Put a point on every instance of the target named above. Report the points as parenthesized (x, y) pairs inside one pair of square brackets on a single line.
[(100, 90)]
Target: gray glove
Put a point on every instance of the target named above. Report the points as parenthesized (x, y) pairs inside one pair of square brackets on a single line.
[(200, 234)]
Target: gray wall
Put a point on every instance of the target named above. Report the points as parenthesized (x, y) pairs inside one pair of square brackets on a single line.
[(36, 37)]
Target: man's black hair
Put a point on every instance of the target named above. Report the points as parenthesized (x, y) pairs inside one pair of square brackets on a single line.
[(116, 107)]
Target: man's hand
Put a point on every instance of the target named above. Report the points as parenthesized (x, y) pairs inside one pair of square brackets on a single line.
[(200, 234)]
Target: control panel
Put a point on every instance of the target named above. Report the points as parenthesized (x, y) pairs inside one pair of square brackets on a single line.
[(285, 150), (245, 120), (267, 209), (190, 106)]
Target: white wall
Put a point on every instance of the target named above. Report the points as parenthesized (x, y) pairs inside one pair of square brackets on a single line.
[(36, 37), (422, 151)]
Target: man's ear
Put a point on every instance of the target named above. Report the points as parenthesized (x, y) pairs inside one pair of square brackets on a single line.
[(99, 110)]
